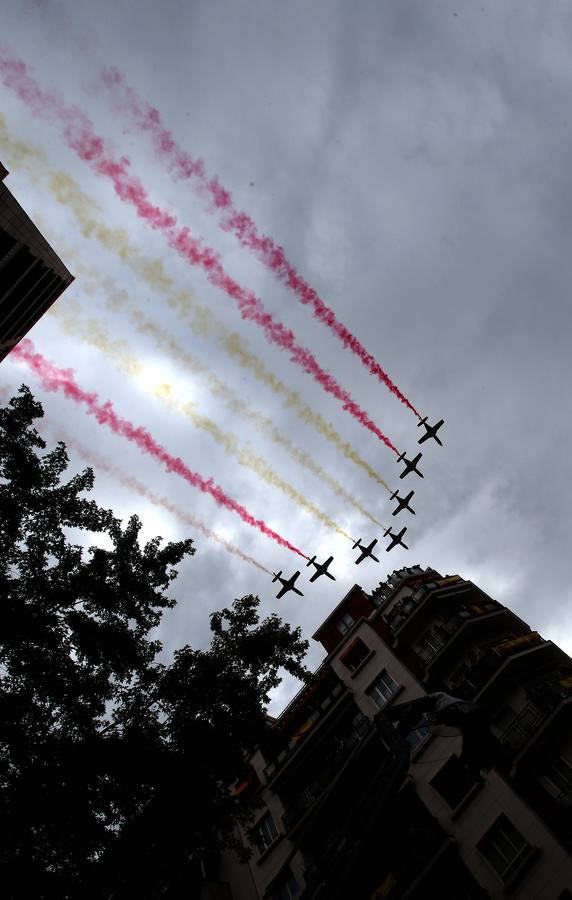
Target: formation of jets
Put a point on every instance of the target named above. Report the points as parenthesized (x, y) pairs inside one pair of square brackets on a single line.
[(396, 538)]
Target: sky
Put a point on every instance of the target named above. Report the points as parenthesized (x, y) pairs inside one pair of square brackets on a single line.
[(412, 159)]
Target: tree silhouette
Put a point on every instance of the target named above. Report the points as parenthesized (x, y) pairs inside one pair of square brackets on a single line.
[(115, 769)]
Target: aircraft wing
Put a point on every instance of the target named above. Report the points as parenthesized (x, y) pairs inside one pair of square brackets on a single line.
[(316, 574), (283, 590), (425, 437)]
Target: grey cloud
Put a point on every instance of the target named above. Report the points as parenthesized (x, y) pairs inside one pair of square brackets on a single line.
[(414, 164)]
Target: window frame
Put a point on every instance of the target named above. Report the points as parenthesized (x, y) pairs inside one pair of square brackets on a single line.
[(562, 791), (287, 882), (262, 841), (343, 626), (521, 856), (357, 642), (447, 797), (373, 689)]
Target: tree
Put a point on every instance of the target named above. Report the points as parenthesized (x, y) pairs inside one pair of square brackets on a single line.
[(114, 768)]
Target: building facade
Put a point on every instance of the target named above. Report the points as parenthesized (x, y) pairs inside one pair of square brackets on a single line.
[(32, 276), (343, 812)]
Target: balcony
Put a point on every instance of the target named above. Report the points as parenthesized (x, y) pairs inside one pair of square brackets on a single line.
[(407, 613), (306, 798), (304, 744), (512, 658), (522, 727), (309, 726), (469, 623), (553, 701), (490, 664)]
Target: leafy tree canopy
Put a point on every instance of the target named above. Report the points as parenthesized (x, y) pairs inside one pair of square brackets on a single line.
[(114, 768)]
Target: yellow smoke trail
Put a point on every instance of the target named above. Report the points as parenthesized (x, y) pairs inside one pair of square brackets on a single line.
[(117, 299), (92, 332), (203, 322)]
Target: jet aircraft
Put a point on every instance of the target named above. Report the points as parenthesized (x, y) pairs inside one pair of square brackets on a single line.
[(395, 538), (402, 502), (321, 568), (410, 464), (287, 584), (430, 431), (365, 551)]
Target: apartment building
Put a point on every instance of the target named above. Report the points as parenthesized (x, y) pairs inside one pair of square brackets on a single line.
[(346, 808), (32, 276)]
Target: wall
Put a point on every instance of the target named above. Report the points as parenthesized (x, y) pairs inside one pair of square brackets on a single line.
[(550, 872), (359, 681)]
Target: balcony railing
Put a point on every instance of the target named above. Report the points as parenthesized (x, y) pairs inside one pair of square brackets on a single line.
[(298, 805), (439, 636), (303, 731), (403, 611), (495, 655), (522, 727)]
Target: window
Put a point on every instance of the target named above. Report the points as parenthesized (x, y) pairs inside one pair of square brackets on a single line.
[(345, 623), (504, 848), (418, 735), (558, 779), (287, 887), (382, 689), (265, 832), (360, 725), (523, 726), (355, 654), (430, 644), (453, 781)]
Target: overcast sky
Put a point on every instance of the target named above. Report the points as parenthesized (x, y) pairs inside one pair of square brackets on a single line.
[(413, 159)]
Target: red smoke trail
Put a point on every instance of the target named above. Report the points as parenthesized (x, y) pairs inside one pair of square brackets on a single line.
[(147, 118), (80, 136), (53, 379), (135, 485)]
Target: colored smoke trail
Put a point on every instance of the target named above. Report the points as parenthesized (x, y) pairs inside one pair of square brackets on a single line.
[(79, 135), (92, 332), (200, 318), (128, 481), (181, 165), (54, 379), (218, 387)]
